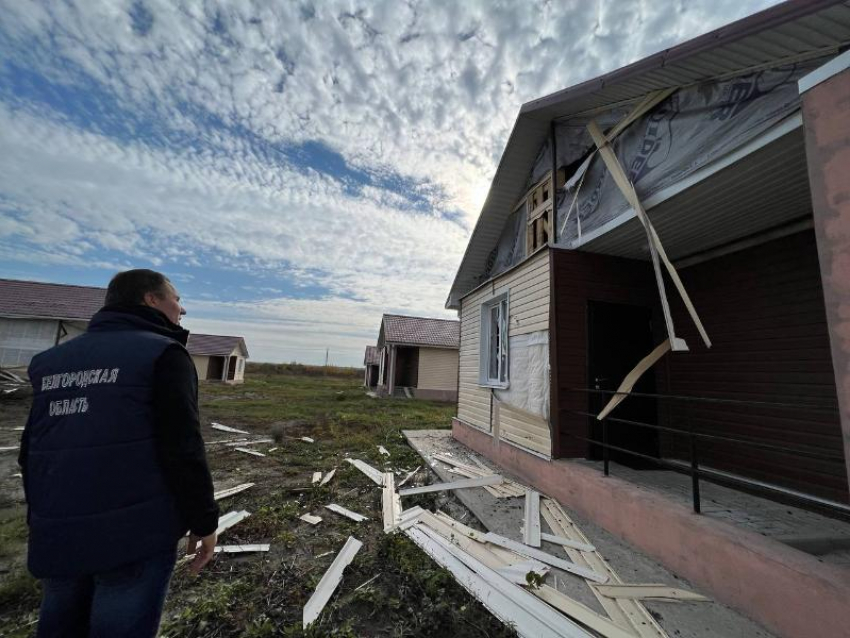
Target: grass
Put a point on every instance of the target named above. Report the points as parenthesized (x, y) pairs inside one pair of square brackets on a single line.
[(263, 594)]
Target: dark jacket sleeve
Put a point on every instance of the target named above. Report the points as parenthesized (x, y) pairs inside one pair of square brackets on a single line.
[(179, 444)]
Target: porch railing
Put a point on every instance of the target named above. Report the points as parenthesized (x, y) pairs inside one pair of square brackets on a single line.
[(693, 438)]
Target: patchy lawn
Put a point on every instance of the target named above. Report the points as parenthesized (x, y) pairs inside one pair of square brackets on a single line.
[(263, 594)]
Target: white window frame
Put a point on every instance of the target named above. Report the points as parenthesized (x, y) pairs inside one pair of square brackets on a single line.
[(501, 350)]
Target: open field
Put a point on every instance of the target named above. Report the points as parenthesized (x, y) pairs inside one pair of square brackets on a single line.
[(263, 594)]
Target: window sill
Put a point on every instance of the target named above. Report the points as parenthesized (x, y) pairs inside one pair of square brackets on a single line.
[(494, 386)]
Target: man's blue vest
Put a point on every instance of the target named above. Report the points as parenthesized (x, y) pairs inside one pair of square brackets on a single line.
[(96, 494)]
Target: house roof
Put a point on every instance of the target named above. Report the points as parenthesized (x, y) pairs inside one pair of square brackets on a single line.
[(215, 345), (420, 331), (791, 31), (37, 300), (373, 356)]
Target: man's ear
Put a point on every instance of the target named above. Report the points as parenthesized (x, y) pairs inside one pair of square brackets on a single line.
[(150, 300)]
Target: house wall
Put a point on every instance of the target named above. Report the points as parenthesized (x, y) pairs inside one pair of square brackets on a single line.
[(528, 309), (202, 363), (240, 370), (763, 309), (828, 158), (438, 369), (22, 339), (577, 278)]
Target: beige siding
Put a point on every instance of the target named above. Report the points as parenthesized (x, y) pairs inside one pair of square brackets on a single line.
[(528, 308), (202, 364), (437, 369)]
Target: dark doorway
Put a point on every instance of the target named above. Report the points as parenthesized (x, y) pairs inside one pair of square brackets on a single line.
[(407, 367), (215, 369), (619, 337)]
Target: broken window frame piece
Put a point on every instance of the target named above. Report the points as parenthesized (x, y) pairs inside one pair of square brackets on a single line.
[(539, 215), (494, 367)]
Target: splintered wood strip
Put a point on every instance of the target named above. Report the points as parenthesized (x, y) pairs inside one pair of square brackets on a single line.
[(628, 614), (544, 557), (317, 476), (239, 549), (339, 509), (455, 485), (231, 491), (391, 502), (247, 451), (410, 475), (327, 586), (328, 477), (227, 428), (531, 516), (376, 477), (651, 592)]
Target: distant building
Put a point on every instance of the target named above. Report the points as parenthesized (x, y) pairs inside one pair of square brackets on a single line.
[(418, 357), (35, 316), (372, 363), (218, 358)]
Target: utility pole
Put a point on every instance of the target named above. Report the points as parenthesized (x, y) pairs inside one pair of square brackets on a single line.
[(327, 352)]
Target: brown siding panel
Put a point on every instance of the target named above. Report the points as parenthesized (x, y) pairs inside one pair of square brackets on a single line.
[(763, 309)]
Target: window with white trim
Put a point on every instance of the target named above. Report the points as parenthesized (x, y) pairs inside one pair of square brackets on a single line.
[(494, 343)]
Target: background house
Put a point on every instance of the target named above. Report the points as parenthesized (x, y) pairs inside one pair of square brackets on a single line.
[(418, 357), (218, 358), (36, 316), (372, 363)]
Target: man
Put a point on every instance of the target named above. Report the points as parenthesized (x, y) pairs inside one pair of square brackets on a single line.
[(114, 465)]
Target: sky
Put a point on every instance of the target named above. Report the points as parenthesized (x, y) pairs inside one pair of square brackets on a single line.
[(296, 168)]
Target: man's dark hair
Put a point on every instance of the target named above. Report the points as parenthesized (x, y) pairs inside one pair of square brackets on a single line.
[(129, 288)]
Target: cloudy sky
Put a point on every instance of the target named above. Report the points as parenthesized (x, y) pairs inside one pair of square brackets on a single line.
[(297, 168)]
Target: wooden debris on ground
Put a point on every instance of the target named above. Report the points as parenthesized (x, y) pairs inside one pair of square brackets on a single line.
[(230, 519), (494, 479), (246, 450), (249, 442), (272, 449), (339, 509), (391, 502), (508, 488), (227, 428), (307, 439), (240, 549), (658, 593), (531, 519), (317, 476), (368, 470), (383, 450), (326, 479), (232, 490), (330, 581), (309, 518), (409, 476)]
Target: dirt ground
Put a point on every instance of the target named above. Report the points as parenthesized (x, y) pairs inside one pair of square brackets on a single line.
[(263, 594)]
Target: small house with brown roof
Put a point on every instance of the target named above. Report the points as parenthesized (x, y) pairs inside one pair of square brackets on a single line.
[(418, 357), (218, 358)]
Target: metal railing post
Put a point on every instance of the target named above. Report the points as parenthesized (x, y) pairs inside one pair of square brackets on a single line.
[(605, 451), (694, 471)]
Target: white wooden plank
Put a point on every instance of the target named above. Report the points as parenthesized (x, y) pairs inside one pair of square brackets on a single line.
[(247, 451), (231, 491), (566, 542), (317, 476), (227, 428), (531, 519), (585, 615), (339, 509), (650, 592), (495, 479), (543, 557), (308, 439), (327, 586), (245, 443), (391, 503), (239, 549), (309, 518), (410, 475), (230, 519), (368, 470), (326, 479), (509, 603)]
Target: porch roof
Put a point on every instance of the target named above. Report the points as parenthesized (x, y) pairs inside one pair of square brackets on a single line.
[(215, 345)]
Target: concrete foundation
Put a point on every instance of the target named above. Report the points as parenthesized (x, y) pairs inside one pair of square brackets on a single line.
[(789, 592)]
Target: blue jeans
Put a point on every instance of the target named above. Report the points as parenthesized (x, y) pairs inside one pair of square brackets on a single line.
[(122, 603)]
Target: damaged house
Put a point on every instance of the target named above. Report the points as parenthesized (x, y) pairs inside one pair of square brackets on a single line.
[(372, 364), (218, 357), (418, 357), (656, 280)]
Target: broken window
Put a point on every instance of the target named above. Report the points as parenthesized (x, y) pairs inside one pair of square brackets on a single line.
[(538, 207), (494, 342)]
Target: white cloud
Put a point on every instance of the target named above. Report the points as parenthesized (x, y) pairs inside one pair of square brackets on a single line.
[(424, 90)]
